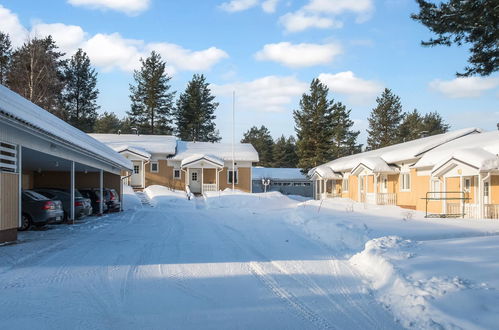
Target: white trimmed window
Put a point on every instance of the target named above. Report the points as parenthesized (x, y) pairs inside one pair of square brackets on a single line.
[(405, 182), (8, 157), (344, 184), (435, 188), (231, 174), (154, 167), (136, 169), (176, 173)]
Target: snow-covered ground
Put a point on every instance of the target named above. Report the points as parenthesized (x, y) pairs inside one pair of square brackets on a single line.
[(239, 261)]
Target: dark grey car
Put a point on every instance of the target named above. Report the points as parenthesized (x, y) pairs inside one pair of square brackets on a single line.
[(83, 206), (39, 210)]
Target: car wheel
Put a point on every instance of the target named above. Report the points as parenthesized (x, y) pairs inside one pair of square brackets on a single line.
[(26, 223)]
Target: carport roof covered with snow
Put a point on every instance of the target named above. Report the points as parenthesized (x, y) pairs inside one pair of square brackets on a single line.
[(16, 109)]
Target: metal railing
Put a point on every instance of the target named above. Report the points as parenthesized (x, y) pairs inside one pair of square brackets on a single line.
[(188, 192), (386, 199)]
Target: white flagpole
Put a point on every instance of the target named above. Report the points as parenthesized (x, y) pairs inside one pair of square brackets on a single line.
[(233, 140)]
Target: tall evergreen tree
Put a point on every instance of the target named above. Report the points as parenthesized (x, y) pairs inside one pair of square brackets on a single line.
[(36, 73), (344, 139), (384, 121), (152, 102), (262, 141), (324, 128), (195, 112), (5, 55), (284, 152), (414, 125), (433, 124), (459, 22), (107, 122), (80, 92)]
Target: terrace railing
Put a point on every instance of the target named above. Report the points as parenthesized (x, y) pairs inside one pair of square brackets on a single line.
[(491, 211), (386, 199), (209, 187)]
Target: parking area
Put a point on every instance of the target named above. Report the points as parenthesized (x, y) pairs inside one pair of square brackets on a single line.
[(66, 173)]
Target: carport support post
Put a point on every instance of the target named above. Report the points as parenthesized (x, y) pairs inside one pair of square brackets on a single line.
[(20, 183), (101, 192), (72, 192)]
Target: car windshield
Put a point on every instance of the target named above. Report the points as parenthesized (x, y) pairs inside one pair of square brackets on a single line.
[(34, 195)]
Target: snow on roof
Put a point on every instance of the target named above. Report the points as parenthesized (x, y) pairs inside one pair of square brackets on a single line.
[(376, 164), (406, 151), (259, 173), (325, 172), (19, 108), (478, 150), (152, 144), (139, 151), (198, 157), (242, 151)]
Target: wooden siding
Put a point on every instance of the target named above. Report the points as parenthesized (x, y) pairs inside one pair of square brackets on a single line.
[(9, 200), (494, 189), (58, 179), (244, 179)]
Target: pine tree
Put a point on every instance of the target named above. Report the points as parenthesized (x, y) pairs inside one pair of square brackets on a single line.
[(284, 152), (384, 121), (314, 127), (344, 139), (411, 127), (126, 126), (465, 22), (36, 73), (5, 56), (107, 122), (195, 112), (152, 103), (433, 124), (80, 92), (262, 141)]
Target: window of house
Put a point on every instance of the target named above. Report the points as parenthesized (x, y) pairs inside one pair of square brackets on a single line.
[(154, 167), (486, 189), (385, 184), (194, 176), (467, 184), (361, 183), (232, 174), (286, 183), (8, 157), (344, 184), (136, 169), (307, 184), (176, 173), (406, 181)]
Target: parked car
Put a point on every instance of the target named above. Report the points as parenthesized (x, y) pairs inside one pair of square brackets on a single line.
[(111, 198), (94, 196), (83, 206), (39, 210)]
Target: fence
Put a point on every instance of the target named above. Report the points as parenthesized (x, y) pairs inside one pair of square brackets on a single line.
[(386, 199), (209, 187)]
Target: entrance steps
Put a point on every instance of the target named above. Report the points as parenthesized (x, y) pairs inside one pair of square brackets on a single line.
[(144, 199)]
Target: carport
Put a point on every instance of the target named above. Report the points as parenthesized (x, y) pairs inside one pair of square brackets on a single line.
[(38, 149)]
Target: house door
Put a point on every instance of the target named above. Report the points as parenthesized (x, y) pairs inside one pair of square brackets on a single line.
[(136, 178), (486, 192), (195, 180), (383, 184)]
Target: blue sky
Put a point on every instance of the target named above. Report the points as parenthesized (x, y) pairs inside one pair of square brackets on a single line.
[(268, 51)]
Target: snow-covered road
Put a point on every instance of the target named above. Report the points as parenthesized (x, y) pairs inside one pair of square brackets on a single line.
[(185, 267)]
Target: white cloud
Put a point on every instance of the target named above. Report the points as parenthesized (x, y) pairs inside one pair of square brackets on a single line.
[(299, 55), (357, 90), (67, 37), (9, 23), (130, 7), (300, 21), (110, 51), (323, 14), (270, 93), (269, 6), (238, 5), (464, 87)]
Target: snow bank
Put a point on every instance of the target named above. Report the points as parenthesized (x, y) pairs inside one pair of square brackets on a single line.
[(242, 200), (130, 199), (434, 284), (162, 196)]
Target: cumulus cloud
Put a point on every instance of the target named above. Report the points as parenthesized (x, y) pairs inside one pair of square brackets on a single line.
[(299, 55), (323, 14), (358, 90), (238, 5), (9, 23), (270, 93), (130, 7), (464, 87), (301, 20), (269, 6), (110, 51)]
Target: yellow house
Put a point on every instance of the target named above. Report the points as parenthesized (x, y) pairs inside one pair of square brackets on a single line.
[(165, 160), (451, 174)]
